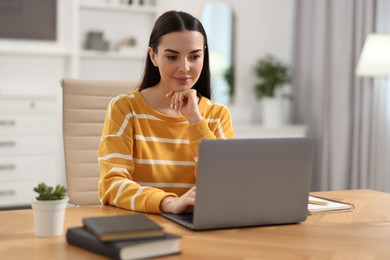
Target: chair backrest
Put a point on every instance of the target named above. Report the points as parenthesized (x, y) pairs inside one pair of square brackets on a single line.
[(84, 107)]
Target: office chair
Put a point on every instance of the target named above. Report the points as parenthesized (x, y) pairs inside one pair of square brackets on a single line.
[(84, 107)]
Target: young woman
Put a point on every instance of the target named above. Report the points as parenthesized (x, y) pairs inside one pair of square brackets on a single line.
[(149, 146)]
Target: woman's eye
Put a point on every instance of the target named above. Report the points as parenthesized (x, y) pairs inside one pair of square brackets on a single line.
[(195, 57), (172, 57)]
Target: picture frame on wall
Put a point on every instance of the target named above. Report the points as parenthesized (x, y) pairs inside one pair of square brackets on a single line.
[(28, 19)]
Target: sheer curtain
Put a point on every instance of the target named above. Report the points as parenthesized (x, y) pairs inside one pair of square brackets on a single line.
[(380, 172), (349, 117)]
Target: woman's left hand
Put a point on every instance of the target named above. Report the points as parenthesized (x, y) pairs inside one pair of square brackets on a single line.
[(186, 102), (184, 203)]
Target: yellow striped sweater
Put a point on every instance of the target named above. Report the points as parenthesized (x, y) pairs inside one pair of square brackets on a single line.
[(145, 155)]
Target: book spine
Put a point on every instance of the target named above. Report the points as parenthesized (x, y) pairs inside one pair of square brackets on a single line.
[(77, 237)]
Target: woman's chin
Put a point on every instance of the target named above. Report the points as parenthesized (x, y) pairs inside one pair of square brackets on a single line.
[(180, 88)]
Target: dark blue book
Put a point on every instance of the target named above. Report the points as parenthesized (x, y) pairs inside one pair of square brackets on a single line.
[(124, 249), (120, 227)]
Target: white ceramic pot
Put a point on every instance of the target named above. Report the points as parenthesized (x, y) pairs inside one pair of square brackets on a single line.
[(49, 216), (272, 113)]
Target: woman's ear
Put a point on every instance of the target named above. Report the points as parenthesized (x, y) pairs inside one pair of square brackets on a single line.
[(152, 56)]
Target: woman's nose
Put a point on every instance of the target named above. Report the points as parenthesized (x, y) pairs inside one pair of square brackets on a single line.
[(184, 65)]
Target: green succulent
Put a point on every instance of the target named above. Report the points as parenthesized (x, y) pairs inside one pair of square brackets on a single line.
[(49, 193)]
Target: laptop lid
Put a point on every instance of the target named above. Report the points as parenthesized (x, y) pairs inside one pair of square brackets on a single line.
[(252, 182)]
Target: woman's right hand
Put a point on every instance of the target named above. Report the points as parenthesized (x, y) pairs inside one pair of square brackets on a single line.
[(179, 205), (186, 102)]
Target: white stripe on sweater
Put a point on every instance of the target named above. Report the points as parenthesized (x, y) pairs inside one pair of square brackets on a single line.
[(132, 200), (219, 126), (161, 140), (125, 123), (166, 162), (130, 115), (165, 185), (220, 129), (119, 169), (112, 186), (115, 155), (114, 100), (120, 189)]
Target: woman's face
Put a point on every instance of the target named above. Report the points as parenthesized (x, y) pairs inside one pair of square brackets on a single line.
[(179, 59)]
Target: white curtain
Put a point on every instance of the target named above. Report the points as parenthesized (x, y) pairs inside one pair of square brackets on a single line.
[(380, 170), (349, 117)]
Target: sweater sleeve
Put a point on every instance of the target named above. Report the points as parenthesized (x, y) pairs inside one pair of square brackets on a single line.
[(116, 165), (201, 130)]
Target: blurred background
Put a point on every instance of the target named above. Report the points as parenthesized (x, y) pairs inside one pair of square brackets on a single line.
[(312, 46)]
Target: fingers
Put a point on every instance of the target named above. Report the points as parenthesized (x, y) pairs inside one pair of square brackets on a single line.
[(180, 99), (170, 93), (186, 103), (186, 202), (177, 100), (189, 197), (181, 204), (189, 209), (192, 190)]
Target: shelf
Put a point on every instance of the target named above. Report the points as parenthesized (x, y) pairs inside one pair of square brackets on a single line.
[(35, 52), (36, 97), (133, 54), (119, 7)]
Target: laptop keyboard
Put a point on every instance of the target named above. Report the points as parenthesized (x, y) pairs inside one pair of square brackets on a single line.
[(187, 217)]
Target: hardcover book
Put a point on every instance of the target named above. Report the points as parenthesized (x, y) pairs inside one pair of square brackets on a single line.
[(124, 249), (121, 227), (319, 204)]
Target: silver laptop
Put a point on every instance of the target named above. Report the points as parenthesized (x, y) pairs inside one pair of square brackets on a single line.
[(250, 182)]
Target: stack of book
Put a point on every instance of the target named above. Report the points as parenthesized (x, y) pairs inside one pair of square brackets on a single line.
[(320, 204), (132, 236)]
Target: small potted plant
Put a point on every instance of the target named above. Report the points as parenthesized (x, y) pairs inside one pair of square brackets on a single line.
[(49, 209), (229, 77), (272, 75)]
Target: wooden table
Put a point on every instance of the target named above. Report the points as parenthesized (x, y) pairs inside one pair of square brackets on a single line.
[(361, 234)]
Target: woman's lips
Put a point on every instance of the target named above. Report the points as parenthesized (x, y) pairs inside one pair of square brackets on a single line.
[(183, 80)]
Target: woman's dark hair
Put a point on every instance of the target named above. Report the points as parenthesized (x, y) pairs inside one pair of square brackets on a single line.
[(174, 21)]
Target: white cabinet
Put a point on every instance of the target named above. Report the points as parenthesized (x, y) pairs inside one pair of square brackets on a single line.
[(29, 147), (30, 118)]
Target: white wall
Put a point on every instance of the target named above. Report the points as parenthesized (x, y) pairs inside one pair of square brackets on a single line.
[(261, 27)]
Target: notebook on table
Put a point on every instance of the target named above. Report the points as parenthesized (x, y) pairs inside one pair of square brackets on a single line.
[(250, 182)]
